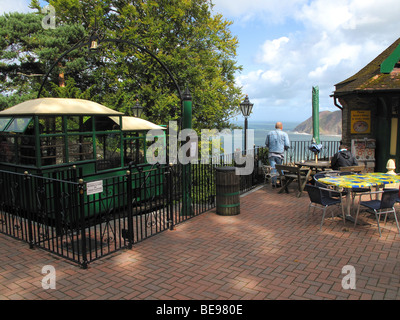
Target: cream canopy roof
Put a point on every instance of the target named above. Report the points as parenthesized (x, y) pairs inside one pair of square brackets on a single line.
[(68, 106), (135, 124), (59, 106)]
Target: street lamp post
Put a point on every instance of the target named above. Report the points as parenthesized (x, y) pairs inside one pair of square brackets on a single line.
[(246, 106)]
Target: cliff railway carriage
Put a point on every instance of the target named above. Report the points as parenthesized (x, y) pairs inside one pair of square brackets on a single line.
[(57, 142)]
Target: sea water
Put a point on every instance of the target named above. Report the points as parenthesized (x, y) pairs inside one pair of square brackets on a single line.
[(261, 130)]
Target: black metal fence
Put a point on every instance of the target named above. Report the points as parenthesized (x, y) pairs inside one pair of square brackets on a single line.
[(85, 219)]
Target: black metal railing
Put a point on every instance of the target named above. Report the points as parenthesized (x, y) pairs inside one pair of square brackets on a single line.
[(85, 218), (299, 150)]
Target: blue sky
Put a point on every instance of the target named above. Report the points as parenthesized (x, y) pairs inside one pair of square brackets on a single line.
[(288, 46)]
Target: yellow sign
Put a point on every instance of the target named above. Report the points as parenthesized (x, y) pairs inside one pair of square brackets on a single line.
[(360, 121)]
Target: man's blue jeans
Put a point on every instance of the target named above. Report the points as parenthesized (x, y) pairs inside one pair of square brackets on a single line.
[(274, 173)]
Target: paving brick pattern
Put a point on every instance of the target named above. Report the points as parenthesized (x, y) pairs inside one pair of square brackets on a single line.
[(267, 252)]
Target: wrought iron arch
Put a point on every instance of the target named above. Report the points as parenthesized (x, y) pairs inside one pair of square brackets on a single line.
[(80, 45)]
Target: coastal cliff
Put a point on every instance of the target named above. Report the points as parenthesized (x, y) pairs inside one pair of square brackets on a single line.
[(330, 123)]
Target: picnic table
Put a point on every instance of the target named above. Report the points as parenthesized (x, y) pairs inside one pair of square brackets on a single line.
[(315, 166), (289, 174)]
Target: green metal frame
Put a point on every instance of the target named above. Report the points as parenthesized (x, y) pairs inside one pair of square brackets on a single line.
[(389, 63), (66, 134)]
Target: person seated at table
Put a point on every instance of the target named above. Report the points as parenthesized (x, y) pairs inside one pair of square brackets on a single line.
[(343, 158)]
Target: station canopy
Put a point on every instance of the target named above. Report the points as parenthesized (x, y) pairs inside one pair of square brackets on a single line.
[(136, 124), (59, 106), (75, 107)]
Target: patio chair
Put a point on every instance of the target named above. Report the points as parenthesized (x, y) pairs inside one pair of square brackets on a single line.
[(398, 192), (319, 198), (383, 206)]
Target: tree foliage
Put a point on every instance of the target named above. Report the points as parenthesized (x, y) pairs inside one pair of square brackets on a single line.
[(27, 51), (195, 45)]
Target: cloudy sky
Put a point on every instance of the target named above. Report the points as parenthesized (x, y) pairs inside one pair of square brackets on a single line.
[(14, 5), (286, 47)]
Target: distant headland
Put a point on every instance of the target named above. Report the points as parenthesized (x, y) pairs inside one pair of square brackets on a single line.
[(330, 123)]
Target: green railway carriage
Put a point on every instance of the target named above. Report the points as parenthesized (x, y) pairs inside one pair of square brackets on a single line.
[(50, 136)]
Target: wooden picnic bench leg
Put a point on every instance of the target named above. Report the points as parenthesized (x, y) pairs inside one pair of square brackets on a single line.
[(302, 185), (301, 188), (285, 187)]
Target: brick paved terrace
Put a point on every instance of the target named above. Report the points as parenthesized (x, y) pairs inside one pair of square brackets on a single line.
[(265, 253)]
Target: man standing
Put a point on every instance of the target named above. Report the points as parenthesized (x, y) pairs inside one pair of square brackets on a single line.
[(277, 142), (343, 158)]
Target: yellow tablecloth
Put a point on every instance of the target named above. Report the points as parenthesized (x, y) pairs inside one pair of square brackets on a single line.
[(362, 180)]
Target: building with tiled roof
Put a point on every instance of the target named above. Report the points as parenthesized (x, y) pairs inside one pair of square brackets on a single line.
[(370, 104)]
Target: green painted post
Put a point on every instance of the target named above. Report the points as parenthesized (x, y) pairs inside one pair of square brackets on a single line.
[(186, 171), (121, 142), (94, 138), (187, 110), (37, 142), (66, 141), (315, 114)]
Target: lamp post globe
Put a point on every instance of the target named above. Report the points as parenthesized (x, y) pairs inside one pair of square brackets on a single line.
[(246, 107), (137, 110)]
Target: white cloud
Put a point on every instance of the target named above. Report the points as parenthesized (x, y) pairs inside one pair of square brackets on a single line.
[(355, 20), (326, 15), (264, 79), (377, 14), (272, 76), (333, 56), (271, 50), (7, 6), (329, 42)]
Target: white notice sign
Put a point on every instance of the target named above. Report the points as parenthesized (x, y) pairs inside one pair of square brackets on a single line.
[(94, 187)]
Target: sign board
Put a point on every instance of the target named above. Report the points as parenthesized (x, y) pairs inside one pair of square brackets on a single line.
[(364, 151), (360, 121), (94, 187)]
